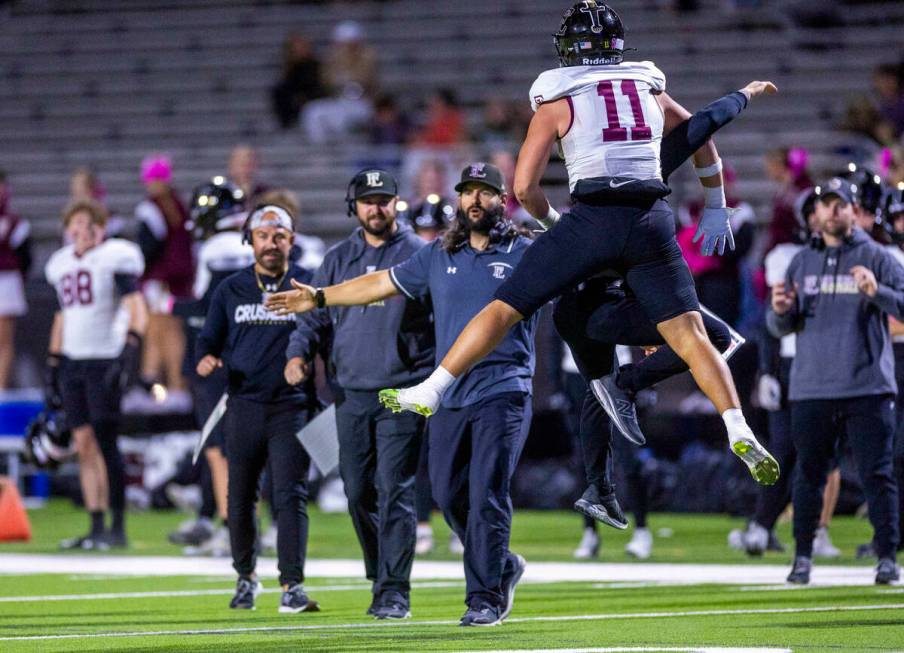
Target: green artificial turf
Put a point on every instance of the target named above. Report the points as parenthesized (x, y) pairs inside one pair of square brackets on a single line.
[(550, 616)]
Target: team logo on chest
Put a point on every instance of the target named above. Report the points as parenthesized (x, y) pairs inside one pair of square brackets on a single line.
[(499, 269)]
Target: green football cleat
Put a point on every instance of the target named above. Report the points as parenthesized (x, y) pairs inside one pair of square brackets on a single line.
[(391, 399), (763, 467)]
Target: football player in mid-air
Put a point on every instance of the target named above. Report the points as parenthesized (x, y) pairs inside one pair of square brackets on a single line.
[(608, 116), (95, 343)]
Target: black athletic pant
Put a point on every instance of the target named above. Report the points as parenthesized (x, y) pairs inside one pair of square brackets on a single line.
[(423, 498), (592, 321), (473, 453), (868, 424), (378, 459), (899, 434), (256, 432)]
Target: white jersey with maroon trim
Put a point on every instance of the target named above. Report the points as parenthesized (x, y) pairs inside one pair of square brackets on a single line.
[(94, 321), (616, 122)]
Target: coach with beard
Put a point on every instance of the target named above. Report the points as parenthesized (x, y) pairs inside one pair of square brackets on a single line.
[(837, 297), (476, 438), (366, 347)]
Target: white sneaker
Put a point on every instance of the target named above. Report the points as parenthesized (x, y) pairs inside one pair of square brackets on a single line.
[(416, 399), (217, 546), (589, 546), (423, 543), (455, 545), (755, 539), (268, 540), (186, 498), (331, 498), (822, 545), (641, 544)]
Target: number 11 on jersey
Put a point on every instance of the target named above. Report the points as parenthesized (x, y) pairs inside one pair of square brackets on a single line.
[(615, 132)]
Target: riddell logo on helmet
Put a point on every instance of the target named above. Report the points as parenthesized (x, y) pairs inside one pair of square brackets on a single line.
[(591, 61)]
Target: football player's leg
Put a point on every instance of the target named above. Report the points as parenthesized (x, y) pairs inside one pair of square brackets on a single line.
[(662, 282), (576, 248)]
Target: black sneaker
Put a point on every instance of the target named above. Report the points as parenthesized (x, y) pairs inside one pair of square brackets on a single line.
[(374, 605), (294, 600), (603, 509), (800, 572), (246, 590), (192, 533), (482, 614), (865, 551), (887, 572), (89, 542), (619, 406), (116, 540), (510, 576), (393, 605)]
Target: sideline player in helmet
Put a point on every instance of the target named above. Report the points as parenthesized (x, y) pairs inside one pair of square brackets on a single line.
[(95, 343), (869, 192), (608, 117)]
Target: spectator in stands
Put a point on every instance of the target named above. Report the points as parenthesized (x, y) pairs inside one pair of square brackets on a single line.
[(15, 259), (787, 167), (718, 278), (243, 167), (352, 78), (389, 125), (167, 248), (879, 116), (300, 81), (445, 121), (501, 125)]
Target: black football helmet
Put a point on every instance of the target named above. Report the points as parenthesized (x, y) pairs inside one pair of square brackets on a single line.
[(892, 208), (804, 206), (869, 187), (591, 33), (48, 440), (212, 204)]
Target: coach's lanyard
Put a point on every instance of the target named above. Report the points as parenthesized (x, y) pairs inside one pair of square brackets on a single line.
[(265, 294)]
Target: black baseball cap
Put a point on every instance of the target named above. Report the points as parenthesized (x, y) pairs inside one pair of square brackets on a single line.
[(839, 187), (373, 182), (482, 173)]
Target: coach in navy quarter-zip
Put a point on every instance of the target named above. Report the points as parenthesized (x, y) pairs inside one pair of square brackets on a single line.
[(476, 437), (365, 347), (263, 412), (837, 297)]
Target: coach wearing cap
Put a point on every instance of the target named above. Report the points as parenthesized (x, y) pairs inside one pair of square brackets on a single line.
[(263, 412), (837, 296), (477, 435), (384, 342)]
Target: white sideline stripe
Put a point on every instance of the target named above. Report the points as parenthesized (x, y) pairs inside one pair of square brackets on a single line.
[(404, 624), (212, 592), (659, 573), (632, 649)]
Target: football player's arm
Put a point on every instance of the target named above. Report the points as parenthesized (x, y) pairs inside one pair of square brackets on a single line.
[(212, 338), (361, 290), (549, 123)]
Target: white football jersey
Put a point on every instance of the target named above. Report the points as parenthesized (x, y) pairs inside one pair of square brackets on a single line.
[(94, 321), (616, 122), (776, 263), (221, 252)]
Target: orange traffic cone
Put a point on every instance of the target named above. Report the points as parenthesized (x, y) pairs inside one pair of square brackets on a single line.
[(14, 524)]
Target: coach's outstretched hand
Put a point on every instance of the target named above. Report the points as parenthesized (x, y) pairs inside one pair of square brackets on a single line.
[(759, 88), (300, 300), (715, 230)]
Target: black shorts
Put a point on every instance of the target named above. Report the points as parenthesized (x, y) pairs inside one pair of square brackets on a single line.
[(638, 242), (90, 391)]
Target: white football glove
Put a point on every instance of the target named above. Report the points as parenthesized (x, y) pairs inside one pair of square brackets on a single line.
[(715, 230), (769, 393)]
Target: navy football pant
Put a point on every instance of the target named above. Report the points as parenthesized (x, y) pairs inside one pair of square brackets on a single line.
[(473, 454), (637, 242), (256, 432), (378, 459), (868, 424)]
